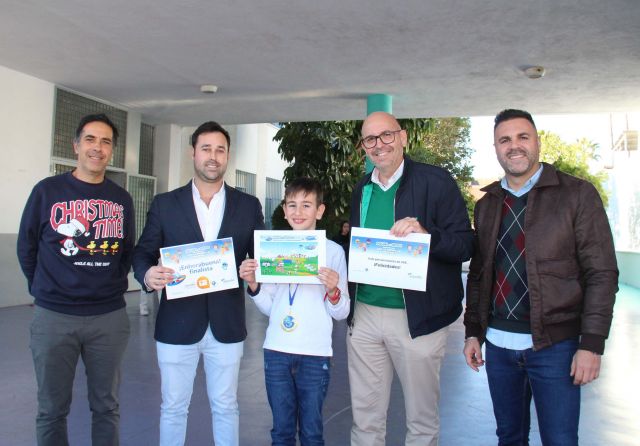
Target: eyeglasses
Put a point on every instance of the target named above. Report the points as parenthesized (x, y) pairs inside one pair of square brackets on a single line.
[(386, 137)]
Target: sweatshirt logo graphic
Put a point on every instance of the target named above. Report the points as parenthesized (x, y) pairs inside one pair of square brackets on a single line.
[(76, 218)]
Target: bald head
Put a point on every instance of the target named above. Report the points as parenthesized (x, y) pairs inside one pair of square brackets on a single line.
[(377, 119), (383, 141)]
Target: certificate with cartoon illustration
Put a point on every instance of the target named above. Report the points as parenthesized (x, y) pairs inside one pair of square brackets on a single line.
[(379, 258), (289, 256), (200, 268)]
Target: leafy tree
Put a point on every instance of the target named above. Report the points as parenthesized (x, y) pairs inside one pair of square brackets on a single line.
[(445, 143), (573, 159), (327, 151)]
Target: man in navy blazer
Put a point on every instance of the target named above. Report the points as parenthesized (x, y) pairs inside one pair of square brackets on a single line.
[(210, 324)]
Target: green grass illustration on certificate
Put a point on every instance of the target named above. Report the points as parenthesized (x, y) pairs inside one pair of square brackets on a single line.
[(289, 256)]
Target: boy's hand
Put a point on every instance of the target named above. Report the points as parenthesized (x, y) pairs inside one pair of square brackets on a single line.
[(248, 272), (329, 279)]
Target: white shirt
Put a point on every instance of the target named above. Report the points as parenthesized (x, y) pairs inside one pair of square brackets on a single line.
[(209, 217), (312, 313), (375, 177)]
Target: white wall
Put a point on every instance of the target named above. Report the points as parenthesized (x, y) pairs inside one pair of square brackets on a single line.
[(26, 126), (26, 130), (26, 123)]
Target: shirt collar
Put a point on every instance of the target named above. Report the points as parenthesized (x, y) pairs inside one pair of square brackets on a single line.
[(196, 192), (527, 186), (375, 177)]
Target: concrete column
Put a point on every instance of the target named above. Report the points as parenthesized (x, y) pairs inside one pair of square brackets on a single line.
[(377, 102)]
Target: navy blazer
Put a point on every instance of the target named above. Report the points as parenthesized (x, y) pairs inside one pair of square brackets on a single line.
[(171, 221)]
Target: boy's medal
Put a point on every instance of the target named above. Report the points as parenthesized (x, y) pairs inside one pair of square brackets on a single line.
[(289, 322)]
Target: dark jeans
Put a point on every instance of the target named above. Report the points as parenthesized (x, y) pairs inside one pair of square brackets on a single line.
[(515, 375), (57, 340), (296, 388)]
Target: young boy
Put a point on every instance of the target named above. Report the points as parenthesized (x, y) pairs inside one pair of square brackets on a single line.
[(297, 348)]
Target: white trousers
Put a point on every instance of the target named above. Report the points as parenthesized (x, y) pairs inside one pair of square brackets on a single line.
[(178, 365)]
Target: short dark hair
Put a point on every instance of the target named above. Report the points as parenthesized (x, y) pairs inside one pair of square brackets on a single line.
[(209, 127), (306, 185), (97, 117), (512, 113)]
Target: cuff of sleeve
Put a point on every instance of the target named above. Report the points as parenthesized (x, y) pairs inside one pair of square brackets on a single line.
[(147, 288), (253, 293), (473, 331), (592, 343)]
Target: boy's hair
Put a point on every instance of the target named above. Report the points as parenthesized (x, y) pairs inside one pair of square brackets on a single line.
[(511, 113), (305, 185), (98, 117)]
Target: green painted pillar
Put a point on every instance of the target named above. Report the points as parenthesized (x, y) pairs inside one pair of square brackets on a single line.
[(377, 102)]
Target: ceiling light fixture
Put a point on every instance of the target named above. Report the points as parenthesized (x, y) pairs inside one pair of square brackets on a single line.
[(534, 72), (208, 88)]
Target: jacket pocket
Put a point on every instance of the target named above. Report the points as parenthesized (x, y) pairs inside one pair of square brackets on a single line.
[(560, 289)]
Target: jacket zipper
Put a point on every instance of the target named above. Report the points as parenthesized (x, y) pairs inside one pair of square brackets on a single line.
[(404, 301)]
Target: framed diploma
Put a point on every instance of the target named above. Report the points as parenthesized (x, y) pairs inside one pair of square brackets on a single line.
[(379, 258), (289, 256), (200, 268)]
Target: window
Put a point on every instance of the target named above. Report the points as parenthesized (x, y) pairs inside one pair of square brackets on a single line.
[(272, 200), (246, 182), (70, 108), (58, 168), (142, 190), (146, 149)]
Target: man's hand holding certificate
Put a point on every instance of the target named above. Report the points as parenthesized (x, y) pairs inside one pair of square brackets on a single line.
[(200, 268), (378, 258)]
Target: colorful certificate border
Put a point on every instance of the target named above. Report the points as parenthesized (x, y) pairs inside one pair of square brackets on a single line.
[(379, 258), (289, 256), (203, 267)]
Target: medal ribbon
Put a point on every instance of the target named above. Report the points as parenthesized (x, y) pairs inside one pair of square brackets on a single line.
[(292, 296)]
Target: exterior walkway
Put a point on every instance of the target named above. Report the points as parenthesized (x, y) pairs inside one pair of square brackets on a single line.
[(610, 408)]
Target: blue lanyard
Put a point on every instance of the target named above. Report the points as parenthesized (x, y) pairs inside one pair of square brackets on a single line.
[(292, 296)]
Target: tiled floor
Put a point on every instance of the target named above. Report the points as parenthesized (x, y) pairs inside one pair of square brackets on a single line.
[(610, 408)]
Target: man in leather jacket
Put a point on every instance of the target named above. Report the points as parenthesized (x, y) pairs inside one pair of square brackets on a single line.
[(540, 289)]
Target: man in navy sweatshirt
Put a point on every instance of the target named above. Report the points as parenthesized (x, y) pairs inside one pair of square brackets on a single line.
[(75, 246)]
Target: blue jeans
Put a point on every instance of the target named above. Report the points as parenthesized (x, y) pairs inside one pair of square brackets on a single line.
[(296, 388), (516, 375)]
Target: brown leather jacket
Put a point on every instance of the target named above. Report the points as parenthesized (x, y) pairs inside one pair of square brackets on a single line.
[(570, 259)]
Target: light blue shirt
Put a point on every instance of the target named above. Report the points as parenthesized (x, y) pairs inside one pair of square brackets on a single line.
[(507, 339)]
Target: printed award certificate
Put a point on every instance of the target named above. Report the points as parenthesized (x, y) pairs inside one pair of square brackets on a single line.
[(202, 267), (379, 258), (289, 256)]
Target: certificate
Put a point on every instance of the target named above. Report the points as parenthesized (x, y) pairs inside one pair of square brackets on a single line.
[(289, 256), (200, 268), (379, 258)]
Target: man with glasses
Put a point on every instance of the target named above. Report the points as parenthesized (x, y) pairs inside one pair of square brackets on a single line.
[(392, 328)]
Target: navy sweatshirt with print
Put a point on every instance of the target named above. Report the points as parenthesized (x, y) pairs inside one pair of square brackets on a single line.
[(75, 245)]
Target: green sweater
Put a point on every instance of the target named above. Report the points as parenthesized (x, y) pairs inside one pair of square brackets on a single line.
[(380, 215)]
